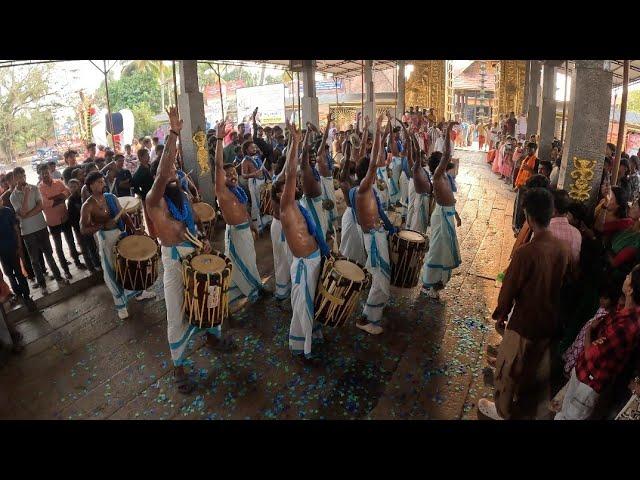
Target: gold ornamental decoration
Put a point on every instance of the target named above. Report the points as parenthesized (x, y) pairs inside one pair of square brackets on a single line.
[(426, 86), (582, 175), (510, 87), (200, 139)]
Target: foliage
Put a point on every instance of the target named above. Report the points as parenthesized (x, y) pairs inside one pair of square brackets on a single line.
[(26, 101), (143, 118), (131, 90)]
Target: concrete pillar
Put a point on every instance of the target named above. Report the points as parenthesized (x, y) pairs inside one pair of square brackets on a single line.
[(586, 135), (533, 106), (400, 108), (369, 93), (548, 110), (309, 102), (191, 107)]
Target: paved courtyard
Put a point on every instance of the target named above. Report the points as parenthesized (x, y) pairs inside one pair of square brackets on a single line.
[(82, 362)]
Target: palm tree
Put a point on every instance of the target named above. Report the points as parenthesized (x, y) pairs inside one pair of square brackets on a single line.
[(155, 67)]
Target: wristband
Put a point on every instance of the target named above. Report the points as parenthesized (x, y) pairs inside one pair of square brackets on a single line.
[(219, 138), (174, 132)]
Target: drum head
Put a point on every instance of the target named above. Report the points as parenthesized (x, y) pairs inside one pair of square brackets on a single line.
[(411, 236), (130, 204), (207, 263), (137, 247), (349, 270), (204, 211)]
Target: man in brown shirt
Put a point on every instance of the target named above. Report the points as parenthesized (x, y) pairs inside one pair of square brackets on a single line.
[(531, 293)]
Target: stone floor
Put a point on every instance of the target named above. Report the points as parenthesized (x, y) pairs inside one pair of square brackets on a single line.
[(81, 361)]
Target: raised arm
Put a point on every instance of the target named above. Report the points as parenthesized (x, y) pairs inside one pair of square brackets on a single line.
[(219, 167), (446, 155), (363, 139), (288, 197), (367, 181), (420, 178), (166, 168), (344, 170)]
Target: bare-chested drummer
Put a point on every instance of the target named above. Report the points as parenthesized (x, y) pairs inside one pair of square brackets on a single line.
[(422, 186), (351, 241), (238, 238), (312, 198), (324, 161), (370, 214), (308, 247), (99, 214), (444, 253), (254, 172), (173, 221)]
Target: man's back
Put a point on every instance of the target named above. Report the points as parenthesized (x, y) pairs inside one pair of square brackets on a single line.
[(534, 279)]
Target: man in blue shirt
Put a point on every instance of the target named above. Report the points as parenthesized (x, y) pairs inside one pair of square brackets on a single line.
[(10, 249)]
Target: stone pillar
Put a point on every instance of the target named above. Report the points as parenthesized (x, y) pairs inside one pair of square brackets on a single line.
[(191, 107), (533, 107), (525, 99), (586, 134), (309, 102), (400, 108), (548, 110), (369, 93)]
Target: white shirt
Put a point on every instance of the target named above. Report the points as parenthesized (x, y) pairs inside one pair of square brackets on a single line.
[(439, 147), (522, 125)]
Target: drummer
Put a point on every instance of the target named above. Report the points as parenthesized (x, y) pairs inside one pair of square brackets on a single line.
[(172, 217), (352, 241), (325, 168), (98, 215), (312, 187), (369, 214), (254, 172), (444, 252), (423, 189), (282, 256), (239, 239), (307, 246)]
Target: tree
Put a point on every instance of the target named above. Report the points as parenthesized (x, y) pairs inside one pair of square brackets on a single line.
[(131, 90), (23, 92), (143, 118), (633, 101), (157, 68)]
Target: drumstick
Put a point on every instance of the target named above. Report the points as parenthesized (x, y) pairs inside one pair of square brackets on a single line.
[(194, 240)]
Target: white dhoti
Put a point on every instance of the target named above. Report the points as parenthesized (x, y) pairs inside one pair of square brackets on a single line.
[(444, 252), (320, 218), (420, 220), (410, 205), (394, 181), (352, 242), (329, 193), (305, 273), (377, 246), (179, 330), (260, 221), (239, 247), (282, 260), (107, 240), (382, 175)]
